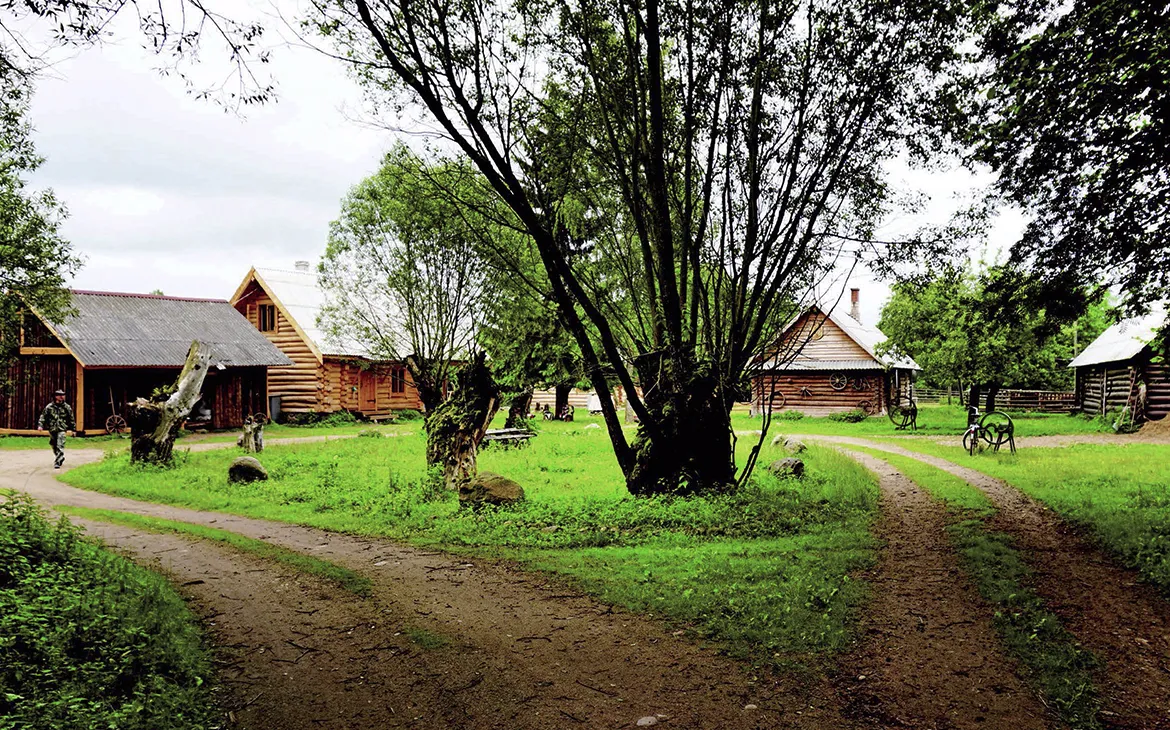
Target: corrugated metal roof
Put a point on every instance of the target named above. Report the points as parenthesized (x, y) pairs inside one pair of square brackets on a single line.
[(124, 330), (1123, 340), (303, 299)]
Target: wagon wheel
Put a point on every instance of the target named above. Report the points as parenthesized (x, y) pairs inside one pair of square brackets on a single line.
[(903, 416), (261, 418), (861, 384), (997, 429), (838, 381), (778, 400), (868, 406), (116, 424)]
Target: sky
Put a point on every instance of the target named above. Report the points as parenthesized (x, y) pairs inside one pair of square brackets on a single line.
[(169, 192)]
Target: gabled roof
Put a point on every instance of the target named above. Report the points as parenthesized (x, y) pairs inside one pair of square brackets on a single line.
[(301, 300), (1123, 340), (113, 329), (867, 338)]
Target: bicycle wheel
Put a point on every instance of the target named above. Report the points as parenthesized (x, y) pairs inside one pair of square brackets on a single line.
[(971, 442)]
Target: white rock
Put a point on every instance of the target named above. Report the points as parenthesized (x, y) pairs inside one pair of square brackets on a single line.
[(592, 426), (647, 721), (751, 707)]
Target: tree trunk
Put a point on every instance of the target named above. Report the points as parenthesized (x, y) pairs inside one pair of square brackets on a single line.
[(252, 440), (430, 389), (992, 392), (690, 448), (456, 427), (972, 400), (155, 425), (518, 409)]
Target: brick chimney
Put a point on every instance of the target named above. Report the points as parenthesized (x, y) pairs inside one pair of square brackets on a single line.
[(855, 304), (304, 266)]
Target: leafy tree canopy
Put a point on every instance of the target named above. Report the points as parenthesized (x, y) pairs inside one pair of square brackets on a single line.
[(1075, 121)]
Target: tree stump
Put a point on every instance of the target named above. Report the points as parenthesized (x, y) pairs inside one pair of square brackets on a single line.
[(252, 440), (456, 427), (154, 424)]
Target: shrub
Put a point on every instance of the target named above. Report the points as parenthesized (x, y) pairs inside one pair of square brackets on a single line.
[(788, 416), (370, 433), (87, 638), (854, 416), (320, 420), (408, 414)]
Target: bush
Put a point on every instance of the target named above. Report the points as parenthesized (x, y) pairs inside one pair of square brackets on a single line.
[(87, 638), (408, 414), (788, 416), (370, 433), (854, 416), (317, 419)]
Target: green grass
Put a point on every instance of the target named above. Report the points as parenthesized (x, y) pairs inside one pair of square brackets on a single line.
[(933, 420), (344, 577), (1056, 664), (1120, 493), (89, 640), (765, 570), (427, 639)]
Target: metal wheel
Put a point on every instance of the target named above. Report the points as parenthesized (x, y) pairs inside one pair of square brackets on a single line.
[(778, 400), (997, 429), (838, 381), (868, 406), (861, 384), (116, 424), (261, 418), (971, 442), (903, 416)]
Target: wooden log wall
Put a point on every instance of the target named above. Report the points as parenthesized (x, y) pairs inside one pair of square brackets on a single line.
[(815, 336), (301, 385), (578, 398), (810, 392), (1103, 388), (1157, 390), (31, 382)]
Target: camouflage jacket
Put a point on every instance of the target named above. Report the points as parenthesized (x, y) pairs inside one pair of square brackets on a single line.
[(56, 417)]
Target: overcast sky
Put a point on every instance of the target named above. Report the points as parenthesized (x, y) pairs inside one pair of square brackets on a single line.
[(169, 192)]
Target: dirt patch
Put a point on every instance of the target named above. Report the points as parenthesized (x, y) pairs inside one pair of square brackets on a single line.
[(1124, 622), (1157, 430), (493, 646), (928, 656)]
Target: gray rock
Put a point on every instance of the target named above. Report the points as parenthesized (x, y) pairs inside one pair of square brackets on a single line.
[(647, 721), (790, 467), (778, 440), (246, 469), (488, 488), (794, 445)]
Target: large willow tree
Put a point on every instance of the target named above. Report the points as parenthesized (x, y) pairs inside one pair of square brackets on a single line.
[(685, 170)]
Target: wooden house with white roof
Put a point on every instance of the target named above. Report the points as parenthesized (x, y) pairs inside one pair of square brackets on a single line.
[(824, 363), (1120, 368), (324, 376)]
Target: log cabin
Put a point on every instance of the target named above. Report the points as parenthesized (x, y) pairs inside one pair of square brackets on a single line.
[(324, 376), (824, 363), (1120, 368), (117, 347)]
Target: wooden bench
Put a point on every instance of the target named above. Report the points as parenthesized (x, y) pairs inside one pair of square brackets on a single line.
[(508, 436)]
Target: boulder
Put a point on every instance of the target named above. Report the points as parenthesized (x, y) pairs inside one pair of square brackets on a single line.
[(794, 445), (247, 469), (790, 467), (778, 440), (488, 488)]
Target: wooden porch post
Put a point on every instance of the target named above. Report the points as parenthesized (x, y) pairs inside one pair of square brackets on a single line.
[(79, 411)]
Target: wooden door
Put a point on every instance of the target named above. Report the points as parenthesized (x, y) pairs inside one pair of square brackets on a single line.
[(367, 392)]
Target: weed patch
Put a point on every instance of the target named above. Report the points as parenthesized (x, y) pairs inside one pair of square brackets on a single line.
[(88, 639)]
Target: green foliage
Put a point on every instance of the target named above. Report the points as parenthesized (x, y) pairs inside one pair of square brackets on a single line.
[(407, 415), (344, 577), (88, 640), (1070, 114), (371, 433), (788, 416), (986, 328), (35, 261), (856, 415), (318, 419)]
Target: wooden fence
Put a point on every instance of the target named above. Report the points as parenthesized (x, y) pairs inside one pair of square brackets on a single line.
[(1047, 401)]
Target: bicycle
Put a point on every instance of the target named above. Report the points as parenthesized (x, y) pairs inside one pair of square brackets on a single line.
[(995, 428)]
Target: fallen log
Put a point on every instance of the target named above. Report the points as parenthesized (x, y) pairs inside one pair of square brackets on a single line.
[(154, 424)]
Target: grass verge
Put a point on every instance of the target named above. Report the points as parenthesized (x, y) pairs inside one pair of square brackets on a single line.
[(88, 639), (1119, 493), (1056, 664), (765, 570), (344, 577)]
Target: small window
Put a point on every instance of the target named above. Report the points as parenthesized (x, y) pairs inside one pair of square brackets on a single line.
[(267, 318), (398, 380)]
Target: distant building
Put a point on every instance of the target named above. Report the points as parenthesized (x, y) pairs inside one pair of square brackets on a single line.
[(825, 363), (119, 347), (283, 306), (1120, 369)]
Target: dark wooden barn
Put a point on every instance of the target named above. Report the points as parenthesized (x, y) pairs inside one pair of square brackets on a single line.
[(1120, 369), (118, 347), (825, 363)]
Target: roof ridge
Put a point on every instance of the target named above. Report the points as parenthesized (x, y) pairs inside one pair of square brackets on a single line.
[(91, 292)]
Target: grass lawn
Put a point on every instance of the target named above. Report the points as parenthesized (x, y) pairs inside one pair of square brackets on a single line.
[(933, 420), (1121, 493), (765, 571)]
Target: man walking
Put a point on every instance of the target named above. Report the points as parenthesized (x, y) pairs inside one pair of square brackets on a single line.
[(57, 418)]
